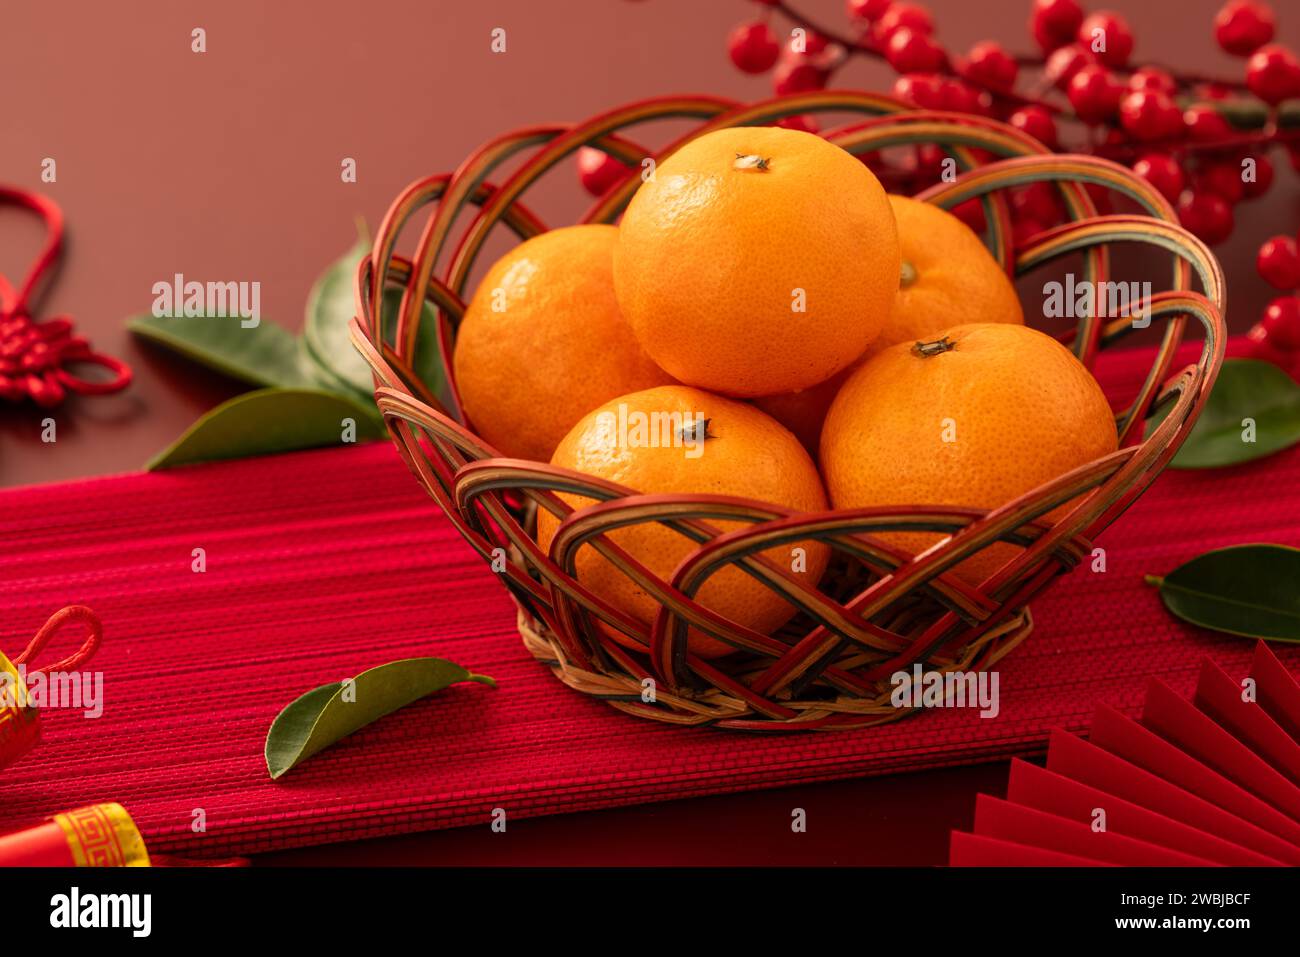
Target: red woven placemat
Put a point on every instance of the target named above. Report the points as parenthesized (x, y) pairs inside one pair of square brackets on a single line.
[(322, 564)]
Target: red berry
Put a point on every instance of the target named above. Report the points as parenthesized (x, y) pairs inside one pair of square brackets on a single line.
[(802, 122), (1054, 23), (598, 171), (1152, 78), (811, 42), (872, 160), (1222, 179), (920, 89), (1212, 91), (1162, 172), (910, 52), (1023, 231), (1039, 202), (926, 164), (869, 10), (899, 15), (1243, 26), (1094, 94), (1281, 323), (1114, 136), (1101, 198), (1107, 34), (752, 47), (797, 76), (1273, 74), (1206, 215), (958, 97), (1036, 122), (1064, 63), (971, 212), (1256, 344), (1205, 124), (1279, 263), (1258, 185), (1150, 115), (989, 64)]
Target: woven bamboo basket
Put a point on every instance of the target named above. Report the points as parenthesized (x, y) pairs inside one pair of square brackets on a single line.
[(878, 610)]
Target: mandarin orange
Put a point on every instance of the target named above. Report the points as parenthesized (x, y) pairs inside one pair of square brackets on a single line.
[(757, 260), (981, 416), (947, 278), (679, 439), (542, 342)]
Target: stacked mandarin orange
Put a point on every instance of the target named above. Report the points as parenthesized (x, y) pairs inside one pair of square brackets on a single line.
[(816, 342)]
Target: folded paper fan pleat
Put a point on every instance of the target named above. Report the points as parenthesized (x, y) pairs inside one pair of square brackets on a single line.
[(1209, 779), (978, 850), (1025, 825), (1128, 739), (1045, 790), (1182, 723), (1237, 710), (1277, 691)]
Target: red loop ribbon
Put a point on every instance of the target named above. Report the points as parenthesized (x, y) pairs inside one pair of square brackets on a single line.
[(94, 632)]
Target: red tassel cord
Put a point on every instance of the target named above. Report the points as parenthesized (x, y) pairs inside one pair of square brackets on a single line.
[(94, 633), (35, 356), (20, 728)]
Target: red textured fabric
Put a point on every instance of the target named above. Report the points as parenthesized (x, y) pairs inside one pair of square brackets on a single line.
[(322, 564)]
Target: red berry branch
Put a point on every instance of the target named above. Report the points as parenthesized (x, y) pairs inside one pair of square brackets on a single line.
[(1276, 337), (1202, 141)]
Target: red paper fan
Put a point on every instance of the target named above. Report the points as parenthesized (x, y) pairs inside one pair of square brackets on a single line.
[(1211, 781)]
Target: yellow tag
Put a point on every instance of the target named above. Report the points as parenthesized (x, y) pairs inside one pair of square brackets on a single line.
[(19, 724), (103, 835)]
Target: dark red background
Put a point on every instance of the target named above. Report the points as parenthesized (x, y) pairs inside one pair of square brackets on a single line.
[(225, 166)]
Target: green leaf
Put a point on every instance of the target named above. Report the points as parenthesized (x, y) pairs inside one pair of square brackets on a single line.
[(1242, 590), (266, 421), (331, 712), (261, 355), (330, 308), (1245, 389)]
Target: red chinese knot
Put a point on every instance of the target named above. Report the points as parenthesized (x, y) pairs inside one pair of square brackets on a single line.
[(37, 357)]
